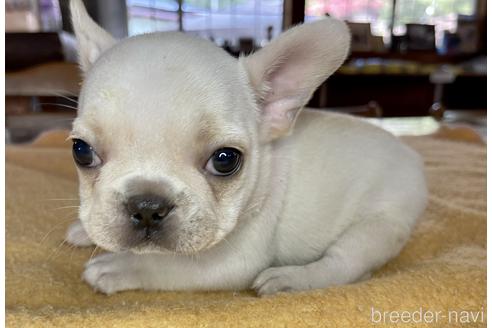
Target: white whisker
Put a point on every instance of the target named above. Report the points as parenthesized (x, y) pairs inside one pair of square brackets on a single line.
[(93, 252), (65, 97), (65, 207), (55, 104), (55, 251), (59, 199)]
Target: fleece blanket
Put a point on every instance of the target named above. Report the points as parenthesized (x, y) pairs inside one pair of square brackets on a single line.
[(439, 279)]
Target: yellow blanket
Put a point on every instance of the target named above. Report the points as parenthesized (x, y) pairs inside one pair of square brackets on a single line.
[(443, 267)]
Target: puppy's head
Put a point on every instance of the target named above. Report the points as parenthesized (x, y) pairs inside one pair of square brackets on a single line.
[(173, 135)]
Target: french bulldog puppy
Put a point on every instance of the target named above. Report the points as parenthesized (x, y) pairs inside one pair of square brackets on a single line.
[(199, 171)]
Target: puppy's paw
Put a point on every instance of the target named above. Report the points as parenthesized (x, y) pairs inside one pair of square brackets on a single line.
[(281, 279), (77, 236), (110, 273)]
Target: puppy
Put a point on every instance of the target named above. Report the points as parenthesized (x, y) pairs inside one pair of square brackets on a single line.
[(199, 171)]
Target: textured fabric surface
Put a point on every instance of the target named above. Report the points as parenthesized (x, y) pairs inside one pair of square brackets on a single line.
[(442, 268)]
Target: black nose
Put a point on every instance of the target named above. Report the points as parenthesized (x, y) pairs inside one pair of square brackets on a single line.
[(148, 210)]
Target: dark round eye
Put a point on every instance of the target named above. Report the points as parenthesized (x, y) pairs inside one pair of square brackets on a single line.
[(224, 161), (84, 155)]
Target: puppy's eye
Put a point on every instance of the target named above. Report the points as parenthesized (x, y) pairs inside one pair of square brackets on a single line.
[(224, 161), (84, 155)]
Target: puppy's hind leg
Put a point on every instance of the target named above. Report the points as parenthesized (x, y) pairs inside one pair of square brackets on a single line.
[(362, 248), (77, 236)]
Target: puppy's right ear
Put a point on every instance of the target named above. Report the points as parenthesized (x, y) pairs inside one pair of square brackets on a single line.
[(287, 71), (92, 40)]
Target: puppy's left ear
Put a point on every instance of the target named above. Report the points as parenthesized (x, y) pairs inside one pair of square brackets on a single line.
[(287, 71), (92, 40)]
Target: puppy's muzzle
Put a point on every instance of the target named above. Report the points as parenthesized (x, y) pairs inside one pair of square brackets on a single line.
[(148, 211)]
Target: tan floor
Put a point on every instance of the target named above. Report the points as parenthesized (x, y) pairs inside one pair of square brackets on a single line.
[(442, 268)]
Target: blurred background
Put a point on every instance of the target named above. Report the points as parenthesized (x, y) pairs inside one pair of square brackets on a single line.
[(413, 63)]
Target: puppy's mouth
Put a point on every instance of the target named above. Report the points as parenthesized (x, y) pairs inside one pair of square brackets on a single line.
[(176, 232), (155, 241), (161, 236)]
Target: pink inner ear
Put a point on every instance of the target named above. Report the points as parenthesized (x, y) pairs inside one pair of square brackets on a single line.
[(288, 78), (286, 94), (281, 114), (287, 71)]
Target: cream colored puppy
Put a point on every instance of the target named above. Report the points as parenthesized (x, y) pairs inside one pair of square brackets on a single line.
[(199, 171)]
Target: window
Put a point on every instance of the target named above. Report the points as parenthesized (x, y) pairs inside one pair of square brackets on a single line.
[(32, 16), (219, 20), (376, 12), (149, 16), (443, 14)]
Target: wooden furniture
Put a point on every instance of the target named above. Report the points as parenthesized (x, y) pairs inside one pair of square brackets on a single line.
[(40, 98), (400, 94)]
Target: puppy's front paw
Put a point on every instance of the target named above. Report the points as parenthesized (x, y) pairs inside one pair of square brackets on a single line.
[(77, 236), (281, 279), (110, 273)]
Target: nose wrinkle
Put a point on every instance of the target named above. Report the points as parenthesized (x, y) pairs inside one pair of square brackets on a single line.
[(138, 184)]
